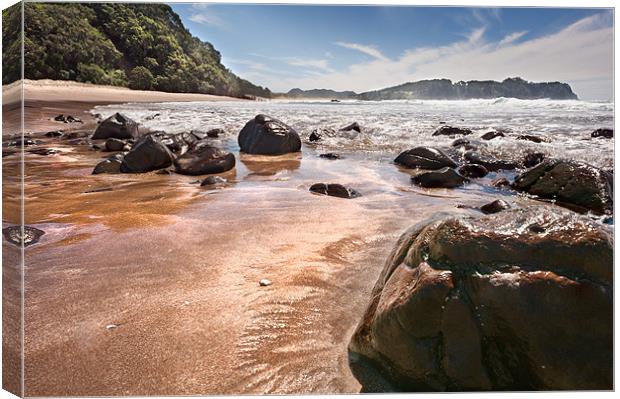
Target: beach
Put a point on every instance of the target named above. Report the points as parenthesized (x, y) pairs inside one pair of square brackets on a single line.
[(148, 284)]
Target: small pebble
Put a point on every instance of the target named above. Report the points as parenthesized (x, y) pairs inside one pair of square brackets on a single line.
[(111, 326), (264, 282)]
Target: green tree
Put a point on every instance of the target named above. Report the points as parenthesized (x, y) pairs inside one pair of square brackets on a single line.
[(141, 78)]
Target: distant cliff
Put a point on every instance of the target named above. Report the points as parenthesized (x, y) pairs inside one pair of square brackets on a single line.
[(444, 89)]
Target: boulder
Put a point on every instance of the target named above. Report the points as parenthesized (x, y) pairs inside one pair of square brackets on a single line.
[(424, 158), (353, 126), (532, 138), (113, 144), (518, 300), (267, 136), (473, 170), (442, 178), (22, 236), (334, 190), (204, 160), (147, 154), (110, 165), (215, 133), (492, 164), (117, 126), (605, 133), (451, 131), (460, 142), (494, 207), (573, 184), (491, 135)]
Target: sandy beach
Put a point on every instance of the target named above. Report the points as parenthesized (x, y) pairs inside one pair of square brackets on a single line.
[(148, 284)]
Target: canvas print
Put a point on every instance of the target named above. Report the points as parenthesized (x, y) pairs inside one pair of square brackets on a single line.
[(203, 198)]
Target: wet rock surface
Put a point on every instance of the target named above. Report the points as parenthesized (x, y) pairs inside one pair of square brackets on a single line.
[(604, 133), (113, 144), (533, 311), (330, 155), (424, 158), (110, 165), (213, 180), (488, 161), (494, 207), (334, 190), (533, 138), (146, 155), (473, 170), (268, 136), (29, 236), (117, 126), (491, 135), (572, 184), (203, 160), (353, 126), (442, 178), (451, 131)]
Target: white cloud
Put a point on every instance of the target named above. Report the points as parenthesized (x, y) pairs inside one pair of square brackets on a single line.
[(368, 50), (309, 63), (580, 54), (203, 15)]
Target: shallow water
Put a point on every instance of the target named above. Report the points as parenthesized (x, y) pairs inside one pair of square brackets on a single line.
[(392, 126)]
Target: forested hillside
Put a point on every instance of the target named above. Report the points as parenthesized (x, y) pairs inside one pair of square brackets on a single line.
[(142, 46)]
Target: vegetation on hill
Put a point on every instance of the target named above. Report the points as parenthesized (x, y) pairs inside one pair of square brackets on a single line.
[(142, 46)]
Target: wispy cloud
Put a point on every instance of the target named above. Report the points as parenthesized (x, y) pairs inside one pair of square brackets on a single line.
[(580, 54), (321, 64), (368, 50), (203, 15)]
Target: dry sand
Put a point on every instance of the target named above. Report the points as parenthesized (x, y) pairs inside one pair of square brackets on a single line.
[(148, 284)]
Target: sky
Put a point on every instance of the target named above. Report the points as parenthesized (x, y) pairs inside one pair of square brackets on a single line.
[(364, 48)]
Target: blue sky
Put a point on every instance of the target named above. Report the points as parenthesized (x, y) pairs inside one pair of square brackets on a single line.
[(368, 47)]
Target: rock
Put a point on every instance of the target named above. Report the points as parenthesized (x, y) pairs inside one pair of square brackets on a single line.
[(424, 158), (177, 143), (473, 170), (532, 138), (442, 178), (113, 144), (605, 133), (29, 236), (330, 155), (267, 136), (215, 133), (72, 119), (532, 159), (54, 133), (117, 126), (334, 190), (43, 151), (203, 160), (74, 135), (460, 142), (494, 207), (59, 118), (451, 131), (151, 117), (25, 141), (572, 184), (492, 164), (491, 135), (518, 300), (147, 154), (500, 182), (353, 126), (213, 180), (320, 133), (264, 282), (110, 165)]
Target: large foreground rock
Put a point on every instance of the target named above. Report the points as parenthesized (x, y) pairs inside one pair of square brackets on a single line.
[(204, 160), (518, 300), (147, 154), (573, 184), (424, 158), (268, 136), (117, 126)]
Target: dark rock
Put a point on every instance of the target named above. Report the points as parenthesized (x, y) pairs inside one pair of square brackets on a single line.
[(491, 303), (500, 182), (43, 151), (460, 142), (451, 131), (151, 117), (213, 180), (532, 159), (15, 235), (110, 165), (532, 138), (177, 143), (353, 126), (74, 135), (25, 141), (605, 133), (330, 155), (492, 135), (147, 154), (60, 118), (572, 184), (54, 133), (424, 158), (267, 136), (117, 126), (473, 170), (492, 164), (494, 207), (442, 178), (72, 119), (112, 144), (203, 160), (215, 133), (334, 190)]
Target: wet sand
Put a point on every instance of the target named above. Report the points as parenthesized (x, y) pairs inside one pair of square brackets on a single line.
[(148, 284)]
